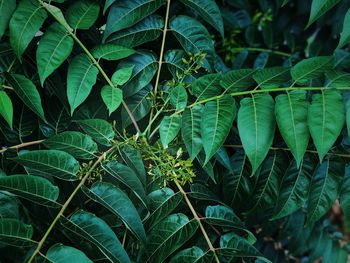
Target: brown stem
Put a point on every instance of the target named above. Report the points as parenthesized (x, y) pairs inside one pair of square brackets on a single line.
[(22, 145)]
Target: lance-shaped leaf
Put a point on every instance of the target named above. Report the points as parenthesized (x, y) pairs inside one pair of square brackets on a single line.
[(294, 187), (75, 143), (256, 126), (191, 130), (291, 116), (58, 15), (32, 188), (193, 37), (169, 128), (146, 30), (118, 203), (6, 9), (93, 229), (82, 14), (178, 97), (133, 159), (27, 92), (15, 233), (270, 78), (122, 75), (112, 97), (188, 255), (63, 254), (81, 76), (345, 34), (54, 48), (324, 189), (100, 130), (207, 86), (237, 80), (311, 68), (126, 13), (6, 108), (222, 216), (325, 119), (25, 23), (170, 234), (319, 8), (111, 52), (217, 119), (49, 163)]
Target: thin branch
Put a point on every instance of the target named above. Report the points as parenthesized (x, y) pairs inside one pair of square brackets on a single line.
[(22, 145)]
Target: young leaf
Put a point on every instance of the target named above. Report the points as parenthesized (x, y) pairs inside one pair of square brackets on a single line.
[(207, 86), (325, 128), (122, 75), (6, 108), (324, 189), (111, 52), (25, 23), (81, 76), (6, 9), (54, 48), (100, 130), (169, 128), (49, 163), (126, 13), (63, 254), (345, 35), (75, 143), (178, 97), (83, 14), (237, 80), (216, 123), (319, 8), (270, 78), (256, 126), (112, 97), (15, 233), (291, 116), (27, 92)]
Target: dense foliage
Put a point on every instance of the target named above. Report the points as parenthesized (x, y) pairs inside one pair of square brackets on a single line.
[(174, 131)]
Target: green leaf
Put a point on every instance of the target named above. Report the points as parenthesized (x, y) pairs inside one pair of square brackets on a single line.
[(100, 130), (178, 97), (75, 143), (237, 80), (118, 203), (324, 189), (169, 128), (325, 129), (222, 216), (83, 14), (6, 9), (82, 75), (207, 86), (191, 130), (270, 78), (311, 68), (193, 37), (93, 229), (58, 15), (256, 126), (32, 188), (188, 255), (344, 197), (145, 66), (293, 191), (118, 172), (122, 75), (291, 116), (319, 8), (147, 30), (169, 235), (133, 159), (6, 108), (338, 79), (49, 163), (111, 52), (54, 48), (27, 92), (63, 254), (175, 63), (345, 35), (126, 13), (15, 233), (9, 206), (112, 97), (25, 23), (216, 123), (209, 11)]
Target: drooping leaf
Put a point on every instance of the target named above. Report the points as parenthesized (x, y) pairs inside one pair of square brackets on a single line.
[(126, 13), (82, 74), (178, 97), (191, 130), (82, 14), (63, 254), (188, 255), (326, 127), (122, 75), (217, 119), (75, 143), (49, 163), (112, 97), (118, 203), (291, 116), (169, 128), (133, 159), (6, 9), (207, 86), (25, 22), (319, 8), (111, 52), (15, 233), (100, 130), (237, 80), (93, 229), (6, 108), (223, 216), (27, 92), (324, 189), (256, 126), (270, 78), (345, 35)]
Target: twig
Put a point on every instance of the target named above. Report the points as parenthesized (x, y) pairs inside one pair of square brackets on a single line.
[(22, 145)]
